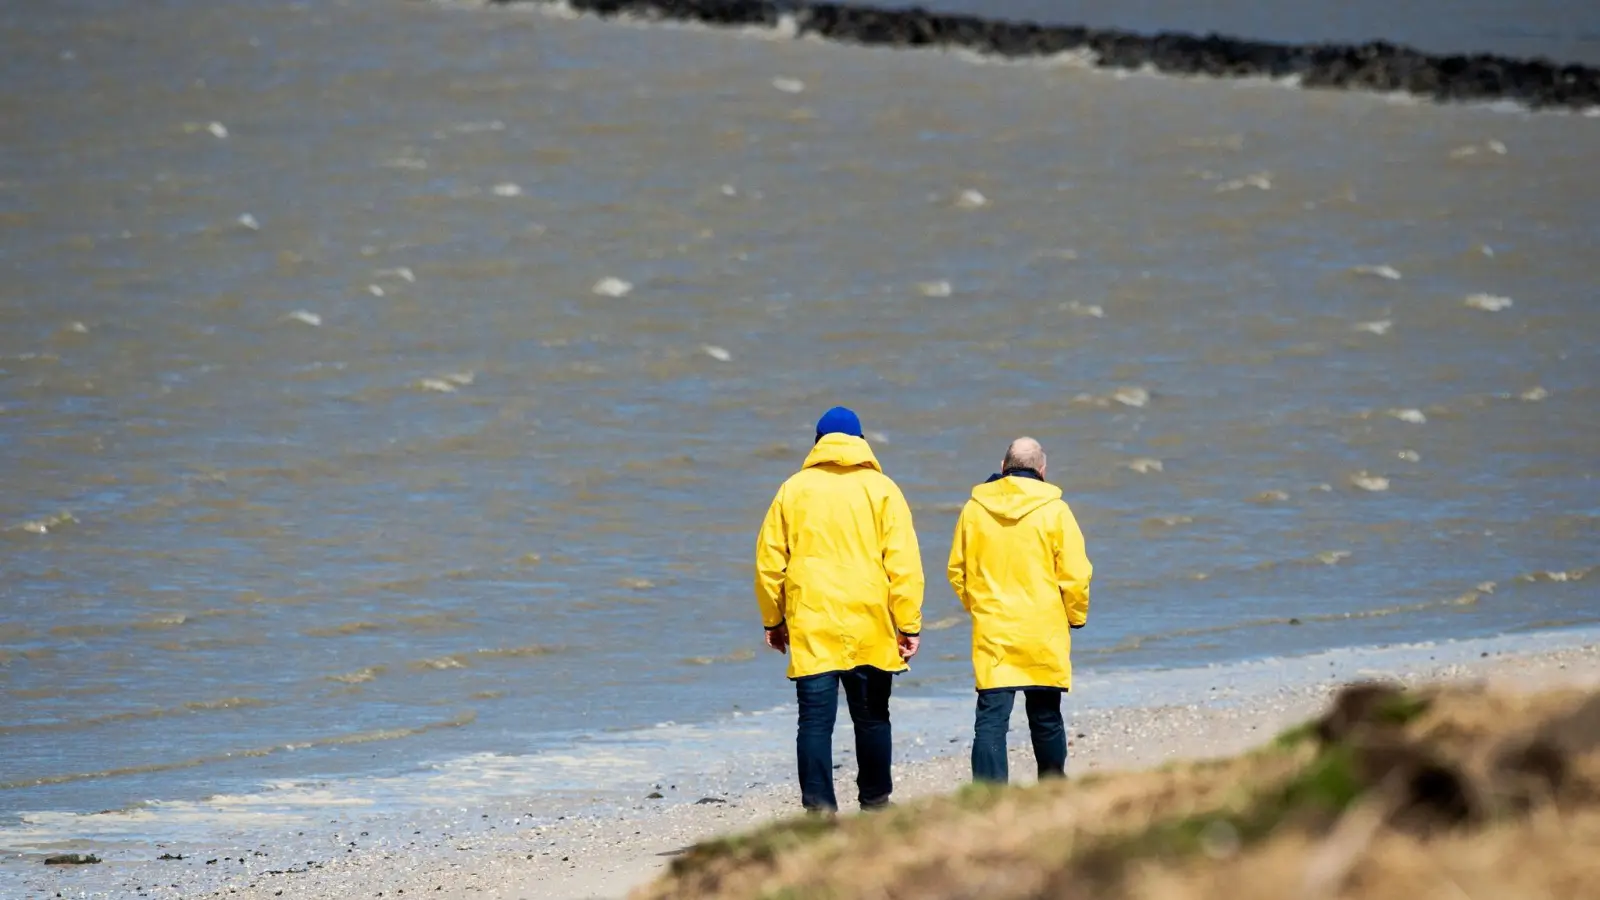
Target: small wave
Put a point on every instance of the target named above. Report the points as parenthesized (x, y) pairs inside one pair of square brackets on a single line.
[(342, 629), (359, 676), (736, 656), (438, 664), (358, 737), (1144, 465), (1388, 273), (1490, 147), (425, 622), (44, 525), (519, 652), (1488, 302), (157, 622), (1369, 482), (971, 199), (1556, 576), (942, 624), (612, 287), (1261, 181), (199, 706), (1131, 395)]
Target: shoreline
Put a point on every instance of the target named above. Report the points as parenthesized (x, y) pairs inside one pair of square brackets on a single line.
[(604, 847), (1375, 66)]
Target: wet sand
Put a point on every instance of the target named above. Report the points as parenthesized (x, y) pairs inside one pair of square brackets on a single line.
[(608, 855)]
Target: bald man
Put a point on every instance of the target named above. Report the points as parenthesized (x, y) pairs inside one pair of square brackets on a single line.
[(1018, 566)]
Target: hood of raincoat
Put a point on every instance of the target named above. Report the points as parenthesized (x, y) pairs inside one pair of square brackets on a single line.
[(844, 450), (1011, 498)]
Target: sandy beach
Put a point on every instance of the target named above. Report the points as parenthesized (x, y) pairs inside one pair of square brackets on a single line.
[(607, 855)]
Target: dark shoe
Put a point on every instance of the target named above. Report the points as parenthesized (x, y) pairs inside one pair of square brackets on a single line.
[(875, 805)]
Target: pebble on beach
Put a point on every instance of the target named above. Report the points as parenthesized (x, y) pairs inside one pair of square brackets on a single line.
[(971, 199), (304, 317), (717, 353)]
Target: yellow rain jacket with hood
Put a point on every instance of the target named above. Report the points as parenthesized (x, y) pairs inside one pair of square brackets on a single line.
[(1019, 566), (837, 561)]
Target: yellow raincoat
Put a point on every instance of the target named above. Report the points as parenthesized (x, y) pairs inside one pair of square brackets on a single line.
[(1019, 566), (837, 560)]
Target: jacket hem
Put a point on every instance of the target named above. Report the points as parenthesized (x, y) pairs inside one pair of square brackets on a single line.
[(1026, 687), (899, 671)]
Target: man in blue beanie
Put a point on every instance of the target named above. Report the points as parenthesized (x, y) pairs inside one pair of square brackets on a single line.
[(839, 584)]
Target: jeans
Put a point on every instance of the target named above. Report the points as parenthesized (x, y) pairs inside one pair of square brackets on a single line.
[(866, 690), (1045, 725)]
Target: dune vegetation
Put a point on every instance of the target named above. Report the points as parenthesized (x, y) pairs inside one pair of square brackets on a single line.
[(1457, 793)]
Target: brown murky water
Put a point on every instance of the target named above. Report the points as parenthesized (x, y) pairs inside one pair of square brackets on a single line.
[(384, 381)]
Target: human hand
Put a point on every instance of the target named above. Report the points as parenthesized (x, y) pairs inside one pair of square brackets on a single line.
[(909, 644), (778, 638)]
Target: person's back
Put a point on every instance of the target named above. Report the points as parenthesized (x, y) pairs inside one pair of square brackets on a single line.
[(1018, 566), (839, 584)]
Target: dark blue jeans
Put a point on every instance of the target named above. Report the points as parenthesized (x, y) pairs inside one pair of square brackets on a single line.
[(866, 690), (1045, 726)]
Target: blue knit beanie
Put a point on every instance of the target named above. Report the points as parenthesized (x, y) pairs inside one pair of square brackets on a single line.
[(839, 421)]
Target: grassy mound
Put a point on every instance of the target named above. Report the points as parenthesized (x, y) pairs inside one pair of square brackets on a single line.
[(1450, 793)]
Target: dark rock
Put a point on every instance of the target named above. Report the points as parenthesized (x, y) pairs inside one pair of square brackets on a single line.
[(1374, 66), (72, 859), (170, 856), (705, 801), (654, 795)]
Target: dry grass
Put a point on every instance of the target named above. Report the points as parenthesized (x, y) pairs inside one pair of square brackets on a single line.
[(1454, 793)]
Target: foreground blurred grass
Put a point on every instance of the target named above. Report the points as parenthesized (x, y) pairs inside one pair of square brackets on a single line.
[(1448, 793)]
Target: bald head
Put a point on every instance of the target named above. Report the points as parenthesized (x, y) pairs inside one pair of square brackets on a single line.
[(1024, 453)]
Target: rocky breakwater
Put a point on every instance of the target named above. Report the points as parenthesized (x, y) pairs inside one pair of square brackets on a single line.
[(1376, 66)]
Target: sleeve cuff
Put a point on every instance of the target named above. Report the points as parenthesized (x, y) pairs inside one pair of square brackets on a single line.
[(912, 633), (781, 623), (1076, 627)]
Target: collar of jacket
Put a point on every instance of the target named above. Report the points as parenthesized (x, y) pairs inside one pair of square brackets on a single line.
[(841, 450), (1018, 473)]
